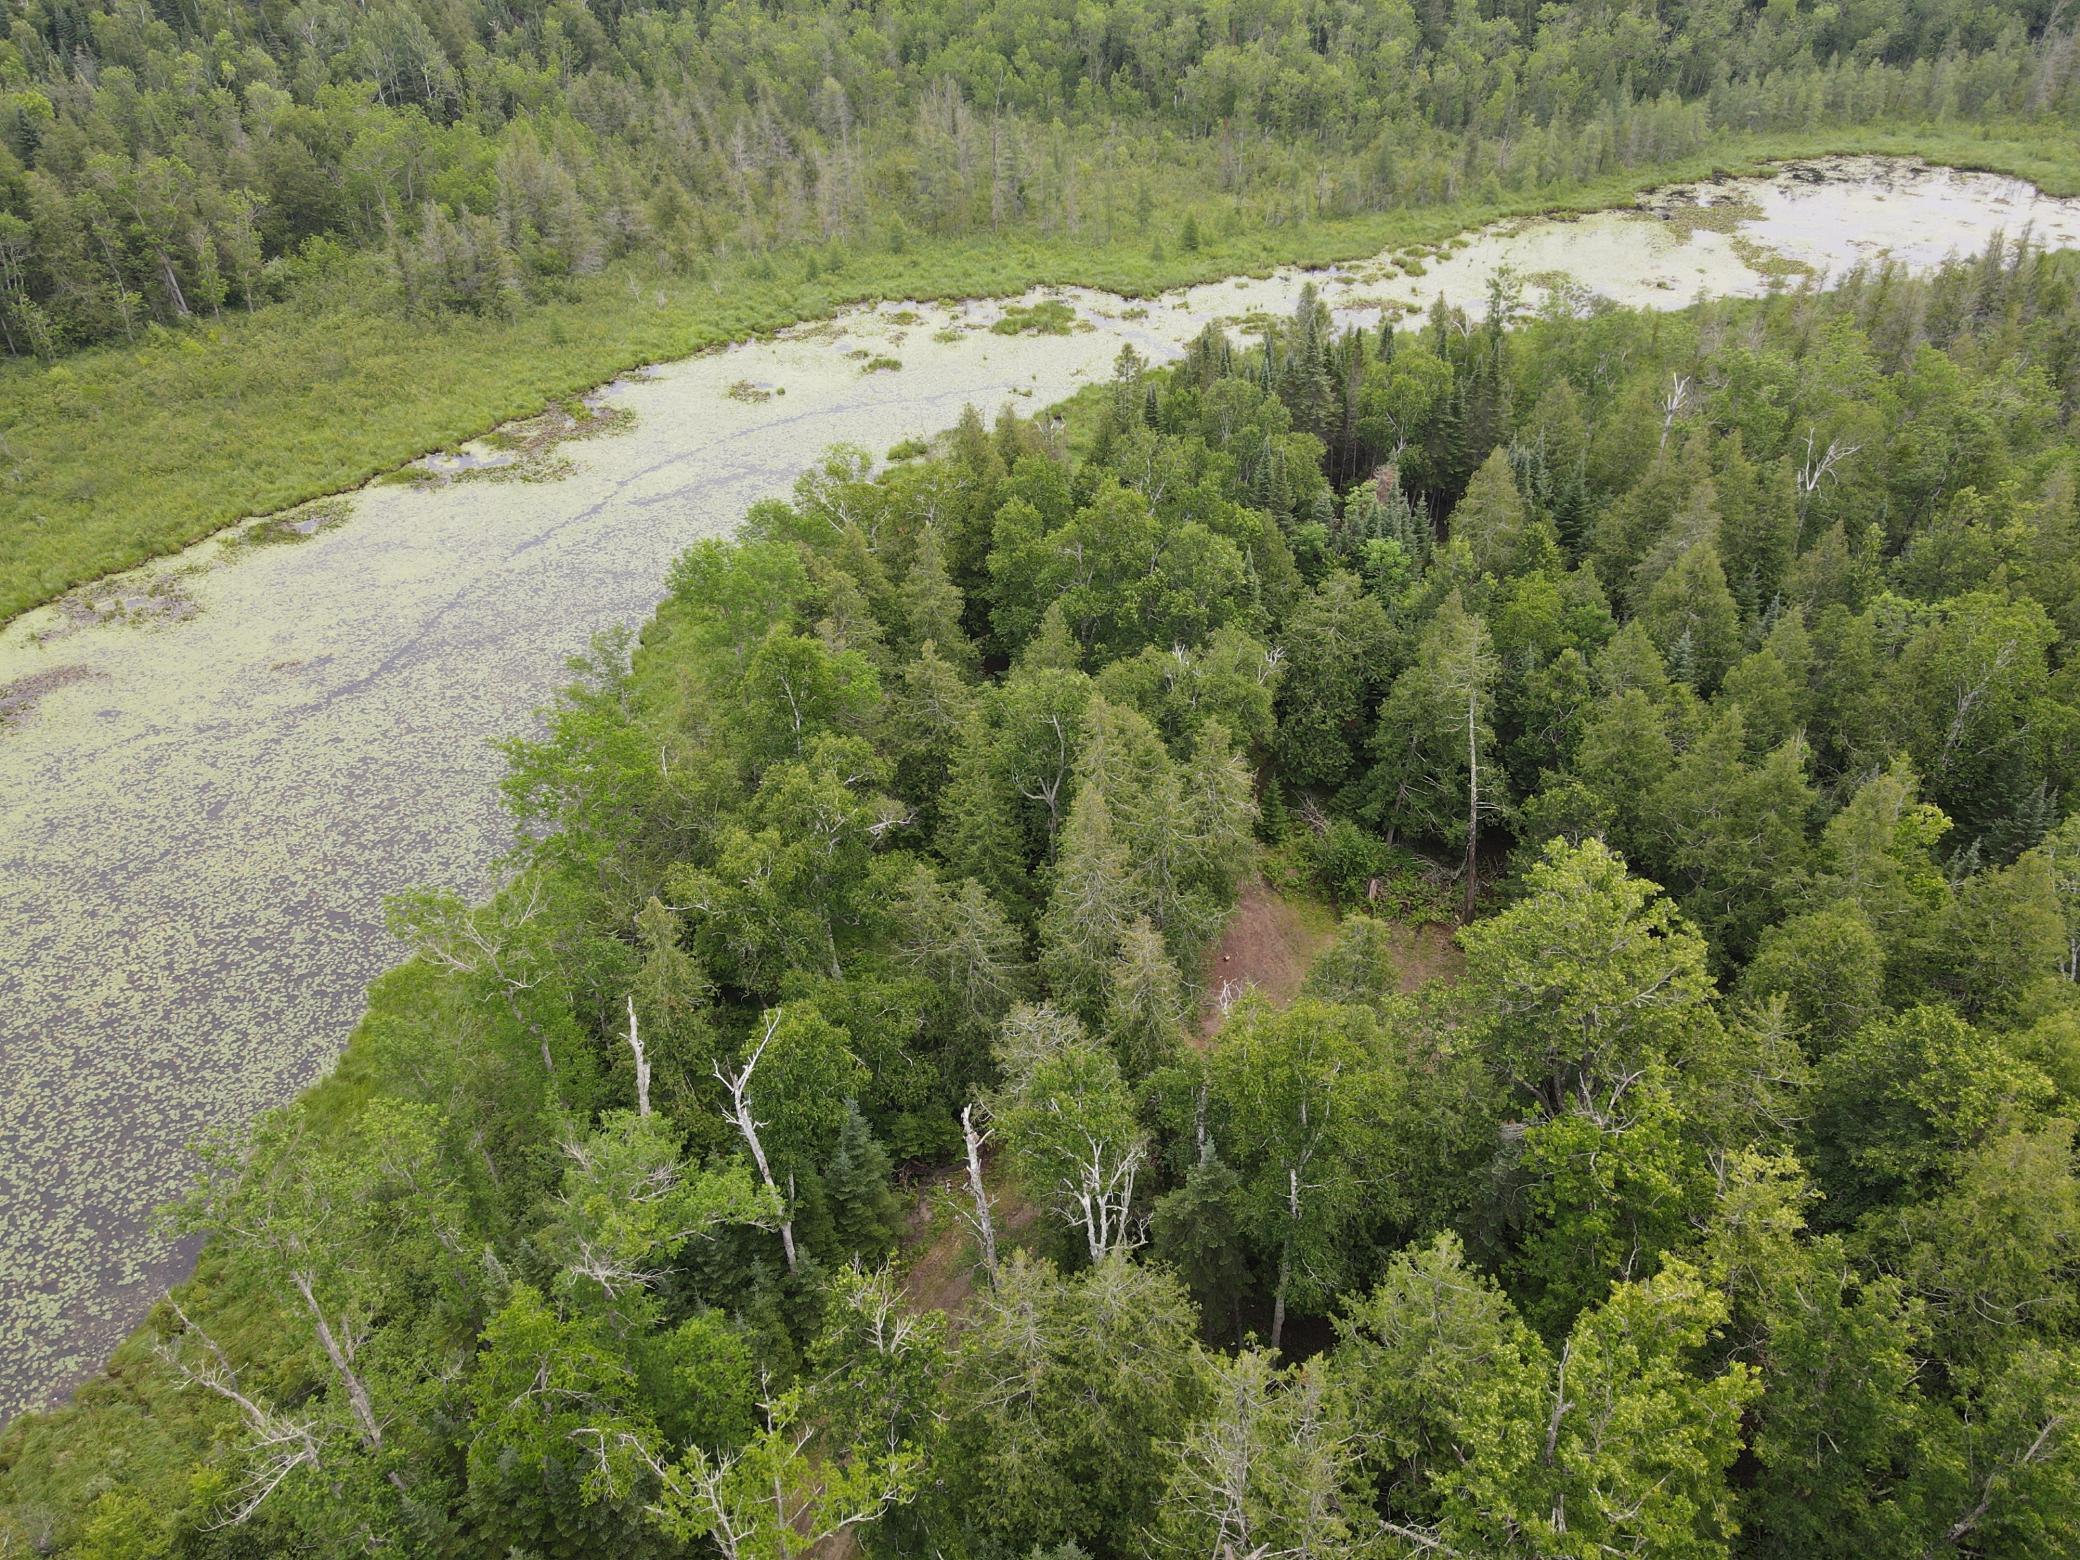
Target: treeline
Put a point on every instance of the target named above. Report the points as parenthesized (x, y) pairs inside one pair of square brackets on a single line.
[(1724, 1203), (163, 162)]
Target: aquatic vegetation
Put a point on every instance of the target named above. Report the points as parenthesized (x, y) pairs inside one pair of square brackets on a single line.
[(1045, 317), (1770, 264), (19, 698), (295, 525), (529, 450), (155, 596), (1704, 210), (881, 365)]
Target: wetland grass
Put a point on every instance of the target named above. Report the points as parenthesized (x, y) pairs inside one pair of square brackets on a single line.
[(115, 456)]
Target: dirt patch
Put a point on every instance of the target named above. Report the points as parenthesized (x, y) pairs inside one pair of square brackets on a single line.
[(1269, 945), (1426, 952), (939, 1275), (939, 1255)]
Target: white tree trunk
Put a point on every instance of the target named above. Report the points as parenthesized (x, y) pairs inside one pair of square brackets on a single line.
[(739, 1116), (985, 1225), (357, 1389), (635, 1044)]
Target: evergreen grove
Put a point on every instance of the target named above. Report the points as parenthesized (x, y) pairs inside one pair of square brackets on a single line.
[(168, 162), (1722, 1202)]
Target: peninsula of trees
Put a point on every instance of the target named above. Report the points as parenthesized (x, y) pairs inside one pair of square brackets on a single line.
[(1715, 1196)]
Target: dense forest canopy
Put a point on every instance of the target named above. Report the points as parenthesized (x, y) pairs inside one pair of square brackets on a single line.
[(1720, 1200), (161, 162)]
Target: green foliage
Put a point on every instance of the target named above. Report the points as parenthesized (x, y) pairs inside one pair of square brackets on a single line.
[(1049, 317), (1612, 1443), (1736, 1213), (1586, 985), (1060, 1394), (1899, 1101)]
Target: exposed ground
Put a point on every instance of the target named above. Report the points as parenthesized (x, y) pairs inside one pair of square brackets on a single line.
[(1269, 945), (939, 1250), (1272, 941), (1426, 952)]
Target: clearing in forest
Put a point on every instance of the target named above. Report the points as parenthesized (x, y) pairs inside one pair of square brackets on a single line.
[(1269, 945), (1271, 942)]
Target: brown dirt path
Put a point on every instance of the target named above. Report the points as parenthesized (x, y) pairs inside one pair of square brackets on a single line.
[(1271, 942)]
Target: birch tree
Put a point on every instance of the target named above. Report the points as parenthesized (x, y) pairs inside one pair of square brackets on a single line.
[(786, 1100), (629, 1204), (350, 1232), (1298, 1109), (1073, 1140), (1585, 984), (1270, 1469)]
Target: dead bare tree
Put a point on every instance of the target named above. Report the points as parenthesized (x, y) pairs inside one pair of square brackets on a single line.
[(1672, 405), (738, 1114), (279, 1445), (444, 931), (1819, 466), (635, 1045), (1101, 1184), (984, 1223)]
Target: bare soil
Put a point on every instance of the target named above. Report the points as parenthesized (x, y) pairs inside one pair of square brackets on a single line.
[(1268, 947), (1426, 952), (938, 1248)]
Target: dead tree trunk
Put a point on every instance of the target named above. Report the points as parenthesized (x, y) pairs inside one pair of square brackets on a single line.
[(739, 1116), (985, 1225), (635, 1045)]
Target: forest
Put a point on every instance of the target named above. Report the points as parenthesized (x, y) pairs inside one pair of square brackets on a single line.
[(168, 162), (837, 1136), (460, 212)]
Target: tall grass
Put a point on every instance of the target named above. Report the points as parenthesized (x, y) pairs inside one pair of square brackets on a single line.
[(119, 455)]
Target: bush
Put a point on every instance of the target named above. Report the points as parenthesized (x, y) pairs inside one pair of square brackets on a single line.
[(1355, 867)]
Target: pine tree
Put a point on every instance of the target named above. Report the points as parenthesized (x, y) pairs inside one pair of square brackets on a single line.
[(931, 605), (978, 834), (1690, 606), (1145, 1009), (1089, 907), (866, 1214)]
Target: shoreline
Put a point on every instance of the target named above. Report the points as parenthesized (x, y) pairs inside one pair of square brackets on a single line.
[(510, 379)]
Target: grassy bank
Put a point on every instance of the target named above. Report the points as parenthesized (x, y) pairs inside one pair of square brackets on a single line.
[(117, 456)]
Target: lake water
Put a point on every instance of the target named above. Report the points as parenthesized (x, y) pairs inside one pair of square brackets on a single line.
[(212, 770)]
